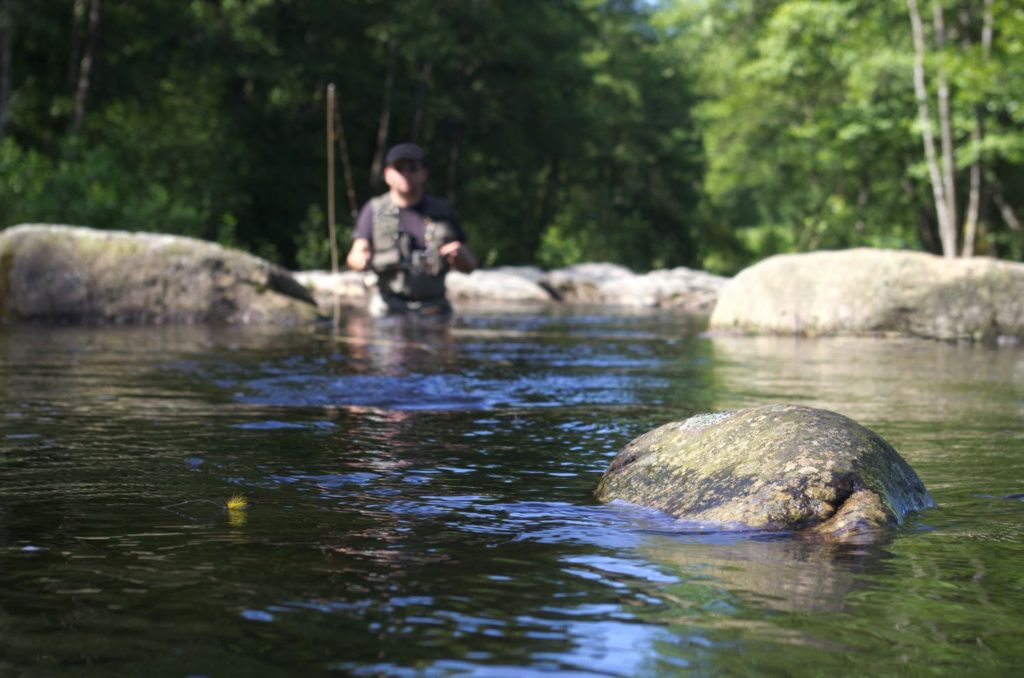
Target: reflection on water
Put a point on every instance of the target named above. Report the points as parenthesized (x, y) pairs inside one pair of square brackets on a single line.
[(420, 503), (866, 378), (783, 573)]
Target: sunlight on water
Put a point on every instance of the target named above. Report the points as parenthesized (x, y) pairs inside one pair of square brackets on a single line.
[(419, 502)]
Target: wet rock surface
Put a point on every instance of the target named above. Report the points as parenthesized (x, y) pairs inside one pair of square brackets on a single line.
[(67, 274), (777, 467)]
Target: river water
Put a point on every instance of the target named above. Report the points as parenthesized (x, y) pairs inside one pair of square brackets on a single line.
[(420, 504)]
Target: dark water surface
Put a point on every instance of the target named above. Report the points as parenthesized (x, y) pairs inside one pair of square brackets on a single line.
[(420, 504)]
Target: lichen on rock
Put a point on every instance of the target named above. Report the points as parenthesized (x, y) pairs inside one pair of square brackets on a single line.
[(777, 467)]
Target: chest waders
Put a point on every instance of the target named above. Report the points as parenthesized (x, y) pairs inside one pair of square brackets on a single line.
[(410, 280)]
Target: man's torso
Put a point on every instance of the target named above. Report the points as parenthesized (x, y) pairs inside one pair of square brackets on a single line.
[(412, 220), (405, 244)]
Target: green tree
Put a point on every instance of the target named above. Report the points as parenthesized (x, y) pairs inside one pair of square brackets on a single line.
[(698, 132), (543, 120), (811, 126)]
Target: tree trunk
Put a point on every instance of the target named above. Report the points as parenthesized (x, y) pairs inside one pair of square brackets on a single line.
[(945, 128), (332, 240), (346, 165), (6, 37), (453, 165), (75, 45), (974, 197), (549, 192), (977, 136), (422, 88), (1006, 210), (377, 166), (85, 69), (925, 228), (947, 230)]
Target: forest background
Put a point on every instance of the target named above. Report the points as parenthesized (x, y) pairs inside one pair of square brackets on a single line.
[(705, 133)]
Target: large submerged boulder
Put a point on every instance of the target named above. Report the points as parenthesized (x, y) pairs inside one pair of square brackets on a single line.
[(777, 467), (72, 274), (865, 291)]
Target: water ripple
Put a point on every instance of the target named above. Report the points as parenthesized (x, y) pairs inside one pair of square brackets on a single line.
[(446, 391)]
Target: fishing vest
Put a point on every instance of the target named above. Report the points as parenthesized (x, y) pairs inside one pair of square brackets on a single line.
[(402, 270)]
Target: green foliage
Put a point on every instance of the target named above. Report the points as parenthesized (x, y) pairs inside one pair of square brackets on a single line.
[(561, 246), (314, 250), (810, 123), (684, 132), (23, 177), (793, 134)]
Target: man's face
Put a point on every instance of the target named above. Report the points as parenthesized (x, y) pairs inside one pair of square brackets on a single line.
[(406, 176)]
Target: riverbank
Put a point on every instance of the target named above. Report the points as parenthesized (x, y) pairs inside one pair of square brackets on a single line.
[(76, 275)]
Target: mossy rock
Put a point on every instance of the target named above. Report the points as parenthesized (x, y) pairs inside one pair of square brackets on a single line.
[(72, 274), (777, 467)]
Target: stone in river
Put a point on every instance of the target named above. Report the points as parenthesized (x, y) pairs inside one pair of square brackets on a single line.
[(776, 467)]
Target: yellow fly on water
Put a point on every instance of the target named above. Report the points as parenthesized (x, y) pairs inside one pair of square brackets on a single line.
[(237, 502)]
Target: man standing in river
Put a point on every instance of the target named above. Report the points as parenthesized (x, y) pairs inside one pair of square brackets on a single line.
[(409, 239)]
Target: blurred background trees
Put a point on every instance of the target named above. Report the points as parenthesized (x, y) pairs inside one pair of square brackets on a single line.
[(707, 133)]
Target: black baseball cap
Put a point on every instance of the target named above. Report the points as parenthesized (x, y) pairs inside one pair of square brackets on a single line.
[(406, 151)]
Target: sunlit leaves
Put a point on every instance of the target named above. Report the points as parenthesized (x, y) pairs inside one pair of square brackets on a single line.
[(809, 121)]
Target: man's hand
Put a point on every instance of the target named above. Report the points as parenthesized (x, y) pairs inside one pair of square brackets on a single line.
[(459, 256), (359, 256)]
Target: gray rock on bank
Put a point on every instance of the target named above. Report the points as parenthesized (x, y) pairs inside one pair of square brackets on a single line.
[(864, 291), (54, 273), (777, 467), (346, 287), (495, 286), (582, 283), (351, 288), (680, 288)]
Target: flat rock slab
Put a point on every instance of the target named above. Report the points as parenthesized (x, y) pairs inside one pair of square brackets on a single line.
[(777, 467), (72, 274), (868, 291)]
